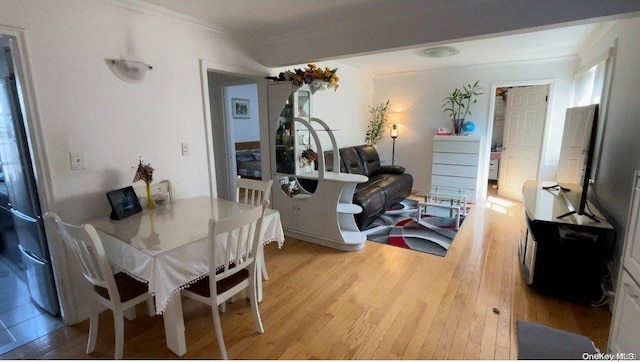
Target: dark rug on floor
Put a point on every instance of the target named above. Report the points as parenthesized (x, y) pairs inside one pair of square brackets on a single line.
[(540, 342), (398, 227)]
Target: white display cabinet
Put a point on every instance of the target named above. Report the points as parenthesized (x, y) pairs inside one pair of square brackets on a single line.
[(315, 205), (292, 139)]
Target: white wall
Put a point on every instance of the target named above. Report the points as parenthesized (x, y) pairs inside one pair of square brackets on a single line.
[(620, 155), (418, 97), (82, 106), (244, 129)]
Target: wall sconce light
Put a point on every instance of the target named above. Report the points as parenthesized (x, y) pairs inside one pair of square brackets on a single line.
[(128, 70), (394, 135)]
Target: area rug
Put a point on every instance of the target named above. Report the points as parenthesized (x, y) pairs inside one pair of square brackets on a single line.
[(398, 227), (540, 342)]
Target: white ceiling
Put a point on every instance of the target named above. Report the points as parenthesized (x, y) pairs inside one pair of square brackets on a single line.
[(385, 36), (554, 43)]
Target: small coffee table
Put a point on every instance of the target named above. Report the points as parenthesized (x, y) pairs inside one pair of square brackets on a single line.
[(452, 199)]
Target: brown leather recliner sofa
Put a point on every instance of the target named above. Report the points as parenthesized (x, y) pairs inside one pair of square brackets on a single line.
[(387, 185)]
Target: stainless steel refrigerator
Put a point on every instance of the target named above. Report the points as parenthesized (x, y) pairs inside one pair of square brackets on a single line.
[(23, 196)]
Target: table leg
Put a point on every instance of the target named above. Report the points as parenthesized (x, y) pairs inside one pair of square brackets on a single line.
[(174, 326)]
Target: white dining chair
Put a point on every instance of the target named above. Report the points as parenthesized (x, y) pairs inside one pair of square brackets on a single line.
[(164, 186), (119, 292), (236, 240), (254, 192), (251, 191)]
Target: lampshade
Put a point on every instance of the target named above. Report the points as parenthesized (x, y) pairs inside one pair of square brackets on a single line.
[(394, 131), (128, 70)]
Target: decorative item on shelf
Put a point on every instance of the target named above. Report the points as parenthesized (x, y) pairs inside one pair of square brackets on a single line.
[(394, 135), (287, 110), (145, 173), (377, 123), (280, 134), (150, 204), (468, 127), (443, 131), (307, 157), (457, 125), (129, 70), (159, 198), (458, 102), (317, 78), (317, 85), (289, 186)]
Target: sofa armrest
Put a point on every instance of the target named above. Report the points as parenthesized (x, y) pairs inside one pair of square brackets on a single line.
[(390, 169)]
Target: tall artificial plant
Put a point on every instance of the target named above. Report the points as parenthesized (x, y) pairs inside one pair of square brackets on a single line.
[(457, 103), (377, 123)]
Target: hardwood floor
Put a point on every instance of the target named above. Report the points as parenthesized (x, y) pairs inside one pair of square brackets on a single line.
[(382, 302)]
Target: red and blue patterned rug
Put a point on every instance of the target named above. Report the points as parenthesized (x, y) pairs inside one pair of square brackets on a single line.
[(398, 227)]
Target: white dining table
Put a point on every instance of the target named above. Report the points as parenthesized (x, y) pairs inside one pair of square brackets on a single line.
[(168, 248)]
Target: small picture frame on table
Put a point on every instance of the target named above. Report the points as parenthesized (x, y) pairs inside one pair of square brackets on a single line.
[(124, 203), (239, 108), (443, 131)]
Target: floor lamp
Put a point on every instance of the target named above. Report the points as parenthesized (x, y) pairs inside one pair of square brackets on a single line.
[(394, 135)]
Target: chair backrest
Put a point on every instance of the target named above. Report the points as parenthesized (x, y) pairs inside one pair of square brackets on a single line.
[(165, 186), (254, 192), (234, 243), (86, 245)]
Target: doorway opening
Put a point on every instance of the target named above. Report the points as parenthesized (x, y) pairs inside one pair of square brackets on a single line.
[(29, 305), (515, 137), (234, 108)]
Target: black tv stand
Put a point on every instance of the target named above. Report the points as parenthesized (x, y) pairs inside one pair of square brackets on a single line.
[(592, 217), (556, 187), (569, 204), (563, 256)]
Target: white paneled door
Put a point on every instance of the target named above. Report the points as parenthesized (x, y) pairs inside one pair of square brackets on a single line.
[(524, 125), (575, 144)]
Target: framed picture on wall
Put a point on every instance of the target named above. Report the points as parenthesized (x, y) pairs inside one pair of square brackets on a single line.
[(239, 108)]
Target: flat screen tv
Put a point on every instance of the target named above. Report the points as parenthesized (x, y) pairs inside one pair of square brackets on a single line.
[(586, 167)]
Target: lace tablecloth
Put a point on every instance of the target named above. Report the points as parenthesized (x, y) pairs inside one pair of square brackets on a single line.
[(169, 247)]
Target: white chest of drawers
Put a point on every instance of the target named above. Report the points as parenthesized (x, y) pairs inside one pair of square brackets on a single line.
[(455, 164)]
